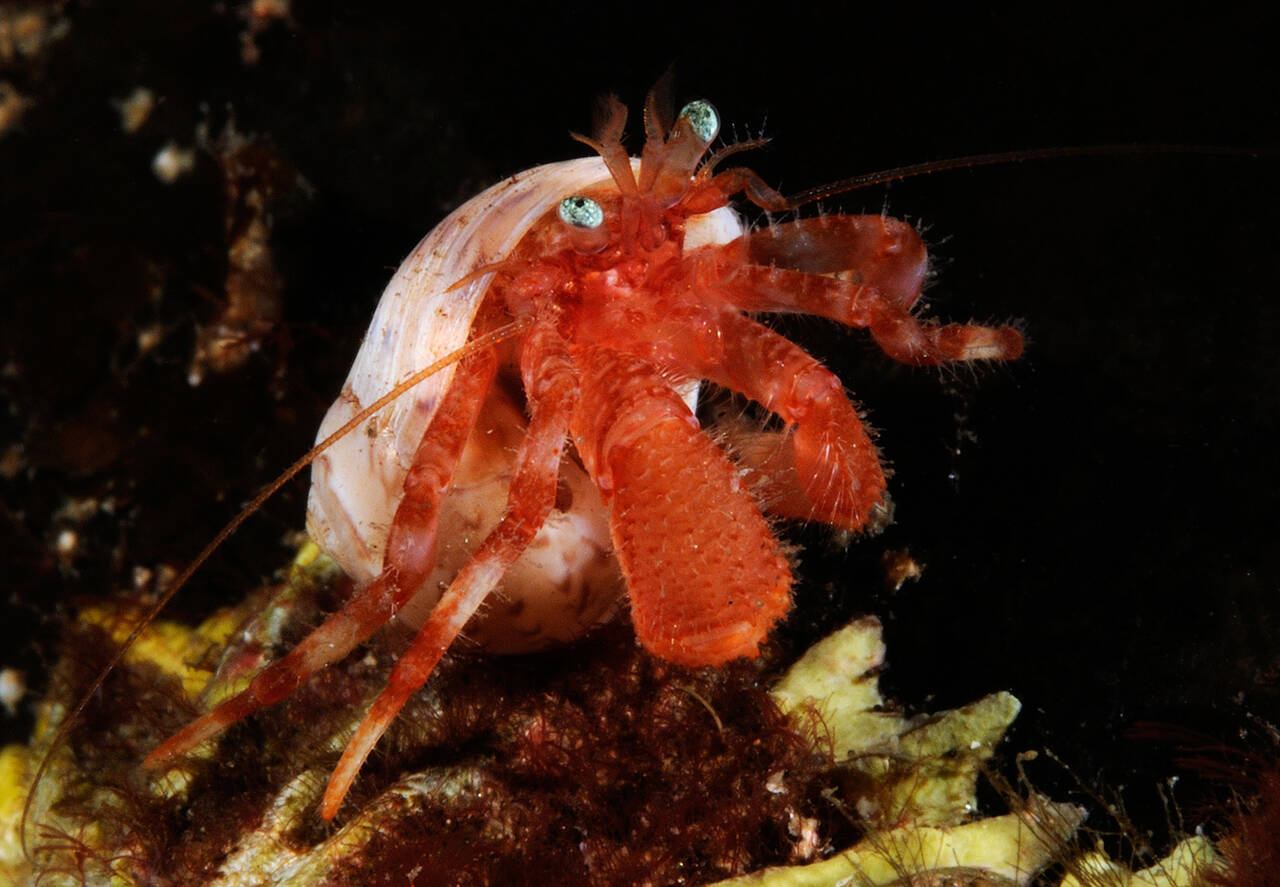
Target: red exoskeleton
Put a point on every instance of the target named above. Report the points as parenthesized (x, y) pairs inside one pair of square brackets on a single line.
[(613, 286)]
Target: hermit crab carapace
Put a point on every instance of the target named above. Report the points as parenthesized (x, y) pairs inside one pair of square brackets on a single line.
[(623, 282)]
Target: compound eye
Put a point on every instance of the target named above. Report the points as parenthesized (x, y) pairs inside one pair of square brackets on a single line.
[(581, 212), (703, 120), (584, 222)]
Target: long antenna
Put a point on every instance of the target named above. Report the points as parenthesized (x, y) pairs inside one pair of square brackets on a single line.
[(974, 160), (488, 340)]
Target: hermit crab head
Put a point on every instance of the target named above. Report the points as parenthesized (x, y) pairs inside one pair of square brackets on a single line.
[(665, 173)]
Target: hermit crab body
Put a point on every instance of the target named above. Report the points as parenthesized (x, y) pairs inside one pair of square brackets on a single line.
[(624, 283), (359, 482)]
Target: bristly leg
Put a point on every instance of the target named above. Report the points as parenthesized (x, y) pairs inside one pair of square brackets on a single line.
[(410, 558), (552, 390)]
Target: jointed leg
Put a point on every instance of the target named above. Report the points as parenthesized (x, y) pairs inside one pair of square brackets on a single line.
[(552, 391), (895, 329), (836, 465), (879, 265), (875, 251), (836, 470), (409, 559)]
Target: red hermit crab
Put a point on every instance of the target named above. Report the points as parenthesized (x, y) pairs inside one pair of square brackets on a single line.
[(615, 285)]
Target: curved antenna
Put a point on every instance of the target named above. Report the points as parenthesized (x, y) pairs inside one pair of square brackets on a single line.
[(975, 160), (488, 340)]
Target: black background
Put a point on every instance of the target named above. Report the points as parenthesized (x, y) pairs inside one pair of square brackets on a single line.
[(1097, 521)]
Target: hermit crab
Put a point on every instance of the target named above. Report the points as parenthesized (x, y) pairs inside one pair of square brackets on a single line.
[(556, 464)]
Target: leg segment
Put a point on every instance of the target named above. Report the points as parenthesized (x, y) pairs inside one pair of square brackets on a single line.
[(829, 455), (883, 253), (898, 333), (552, 391), (877, 266), (409, 559), (705, 575), (828, 469)]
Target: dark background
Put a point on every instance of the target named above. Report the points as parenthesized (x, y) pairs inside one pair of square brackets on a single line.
[(1097, 521)]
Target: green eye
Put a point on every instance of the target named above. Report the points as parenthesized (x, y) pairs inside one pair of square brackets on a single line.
[(703, 118), (581, 212)]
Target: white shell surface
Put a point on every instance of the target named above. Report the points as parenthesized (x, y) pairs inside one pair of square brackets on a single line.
[(357, 483)]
